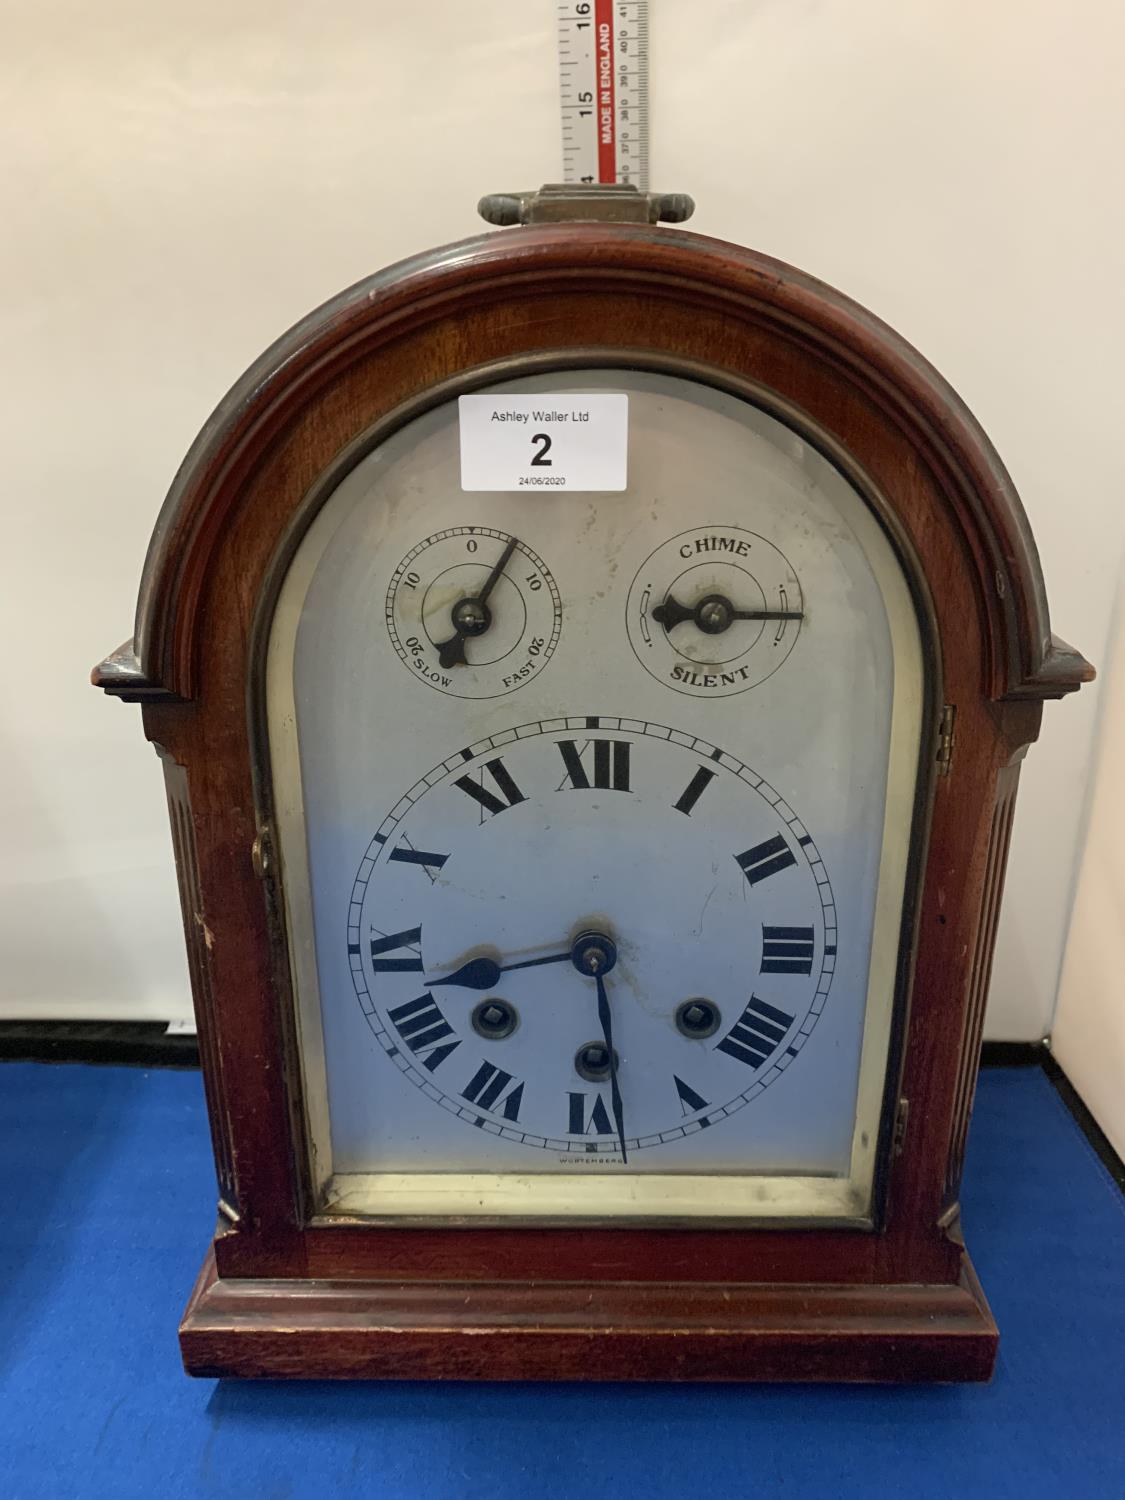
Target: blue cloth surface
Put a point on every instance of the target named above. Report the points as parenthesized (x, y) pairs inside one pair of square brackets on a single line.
[(108, 1208)]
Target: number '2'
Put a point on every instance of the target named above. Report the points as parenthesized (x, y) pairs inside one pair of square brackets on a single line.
[(541, 460)]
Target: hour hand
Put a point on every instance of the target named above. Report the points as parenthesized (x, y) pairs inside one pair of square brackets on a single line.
[(477, 974), (672, 613), (451, 653), (484, 973)]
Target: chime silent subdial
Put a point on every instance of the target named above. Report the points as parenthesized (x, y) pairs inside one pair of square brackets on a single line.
[(714, 611)]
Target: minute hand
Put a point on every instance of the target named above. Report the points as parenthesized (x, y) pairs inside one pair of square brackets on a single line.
[(490, 581), (606, 1019), (766, 614)]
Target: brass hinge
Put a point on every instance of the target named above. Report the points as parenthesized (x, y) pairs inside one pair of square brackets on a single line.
[(261, 853), (945, 739), (902, 1114)]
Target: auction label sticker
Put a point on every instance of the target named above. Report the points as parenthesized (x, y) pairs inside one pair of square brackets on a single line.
[(544, 442)]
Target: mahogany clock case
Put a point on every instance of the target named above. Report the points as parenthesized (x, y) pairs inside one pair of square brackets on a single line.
[(285, 1293)]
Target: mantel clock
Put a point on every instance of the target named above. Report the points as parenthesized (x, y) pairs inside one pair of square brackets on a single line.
[(591, 665)]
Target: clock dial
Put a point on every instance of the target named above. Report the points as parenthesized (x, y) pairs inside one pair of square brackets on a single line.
[(714, 611), (473, 612), (493, 863), (632, 949)]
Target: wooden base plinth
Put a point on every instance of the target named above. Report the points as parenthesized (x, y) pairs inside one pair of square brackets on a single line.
[(586, 1331)]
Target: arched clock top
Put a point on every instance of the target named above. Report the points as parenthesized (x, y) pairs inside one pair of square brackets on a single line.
[(602, 288)]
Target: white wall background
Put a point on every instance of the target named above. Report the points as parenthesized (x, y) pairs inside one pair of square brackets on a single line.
[(182, 183), (1088, 1037)]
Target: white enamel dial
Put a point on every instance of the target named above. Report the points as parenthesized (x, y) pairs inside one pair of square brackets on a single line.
[(584, 934), (473, 888)]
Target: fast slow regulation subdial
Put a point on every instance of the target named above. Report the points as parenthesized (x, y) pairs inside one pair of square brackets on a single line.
[(473, 612), (714, 611)]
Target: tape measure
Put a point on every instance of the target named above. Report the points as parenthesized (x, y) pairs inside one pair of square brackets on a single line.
[(603, 82)]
